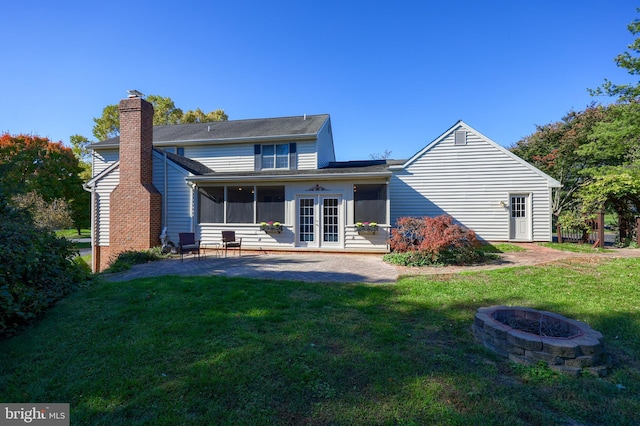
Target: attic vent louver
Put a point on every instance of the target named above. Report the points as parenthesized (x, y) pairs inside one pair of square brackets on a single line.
[(460, 137)]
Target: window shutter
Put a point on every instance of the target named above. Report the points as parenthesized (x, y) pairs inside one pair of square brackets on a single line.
[(293, 156), (257, 157)]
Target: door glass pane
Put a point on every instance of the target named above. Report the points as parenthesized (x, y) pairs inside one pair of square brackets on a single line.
[(518, 206), (330, 220), (306, 220)]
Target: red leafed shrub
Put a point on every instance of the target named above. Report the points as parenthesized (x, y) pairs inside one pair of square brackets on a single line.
[(432, 240)]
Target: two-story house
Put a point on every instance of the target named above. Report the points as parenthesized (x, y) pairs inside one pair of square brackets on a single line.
[(236, 175)]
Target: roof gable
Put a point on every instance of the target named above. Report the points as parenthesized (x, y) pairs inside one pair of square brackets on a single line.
[(461, 125)]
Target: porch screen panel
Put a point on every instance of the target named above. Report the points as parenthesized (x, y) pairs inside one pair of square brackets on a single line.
[(270, 203), (211, 205), (240, 204), (330, 220), (306, 217), (370, 203)]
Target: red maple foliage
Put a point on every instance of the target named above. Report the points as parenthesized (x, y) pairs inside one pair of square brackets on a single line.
[(32, 163), (431, 235)]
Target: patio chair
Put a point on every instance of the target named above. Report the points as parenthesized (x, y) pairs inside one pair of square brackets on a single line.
[(188, 243), (229, 241)]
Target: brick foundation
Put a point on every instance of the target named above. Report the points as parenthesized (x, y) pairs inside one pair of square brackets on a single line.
[(101, 258)]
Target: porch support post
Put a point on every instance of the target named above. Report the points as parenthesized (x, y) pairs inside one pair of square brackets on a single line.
[(559, 232)]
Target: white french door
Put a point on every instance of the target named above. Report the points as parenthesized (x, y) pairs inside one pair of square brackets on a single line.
[(318, 221)]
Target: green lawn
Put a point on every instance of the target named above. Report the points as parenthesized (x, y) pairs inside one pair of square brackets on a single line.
[(575, 248), (214, 350), (73, 233)]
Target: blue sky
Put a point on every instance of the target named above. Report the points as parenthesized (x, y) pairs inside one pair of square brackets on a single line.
[(393, 75)]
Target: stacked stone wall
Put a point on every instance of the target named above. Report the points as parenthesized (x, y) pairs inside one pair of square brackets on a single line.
[(581, 353)]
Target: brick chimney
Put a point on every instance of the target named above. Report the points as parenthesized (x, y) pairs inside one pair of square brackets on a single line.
[(135, 204)]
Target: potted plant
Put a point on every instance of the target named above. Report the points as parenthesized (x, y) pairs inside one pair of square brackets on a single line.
[(366, 227), (271, 226)]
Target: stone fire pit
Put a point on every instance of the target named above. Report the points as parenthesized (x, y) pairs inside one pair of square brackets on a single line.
[(528, 336)]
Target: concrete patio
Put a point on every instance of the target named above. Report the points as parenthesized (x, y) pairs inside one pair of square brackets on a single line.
[(309, 267), (339, 267)]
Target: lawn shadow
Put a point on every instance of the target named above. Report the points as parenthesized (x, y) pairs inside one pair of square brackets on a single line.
[(214, 349)]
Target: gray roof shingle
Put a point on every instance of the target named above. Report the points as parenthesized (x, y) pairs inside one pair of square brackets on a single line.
[(342, 168), (233, 129), (188, 164)]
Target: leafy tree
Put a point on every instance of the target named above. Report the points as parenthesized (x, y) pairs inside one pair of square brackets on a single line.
[(80, 148), (80, 208), (34, 164), (165, 112), (615, 140), (595, 154), (31, 163), (199, 116), (49, 216), (616, 188), (630, 61), (616, 143), (108, 124), (557, 149)]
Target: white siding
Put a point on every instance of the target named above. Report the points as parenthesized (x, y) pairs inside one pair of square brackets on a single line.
[(103, 159), (307, 156), (367, 242), (103, 189), (176, 203), (223, 158), (252, 237), (324, 145), (468, 182), (240, 157)]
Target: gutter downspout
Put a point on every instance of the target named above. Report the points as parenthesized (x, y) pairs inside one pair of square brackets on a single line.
[(94, 267), (165, 199)]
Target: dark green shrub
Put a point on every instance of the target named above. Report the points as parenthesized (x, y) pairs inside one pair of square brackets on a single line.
[(126, 259), (36, 268)]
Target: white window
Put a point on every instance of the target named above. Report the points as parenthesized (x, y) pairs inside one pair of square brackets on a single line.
[(275, 156)]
